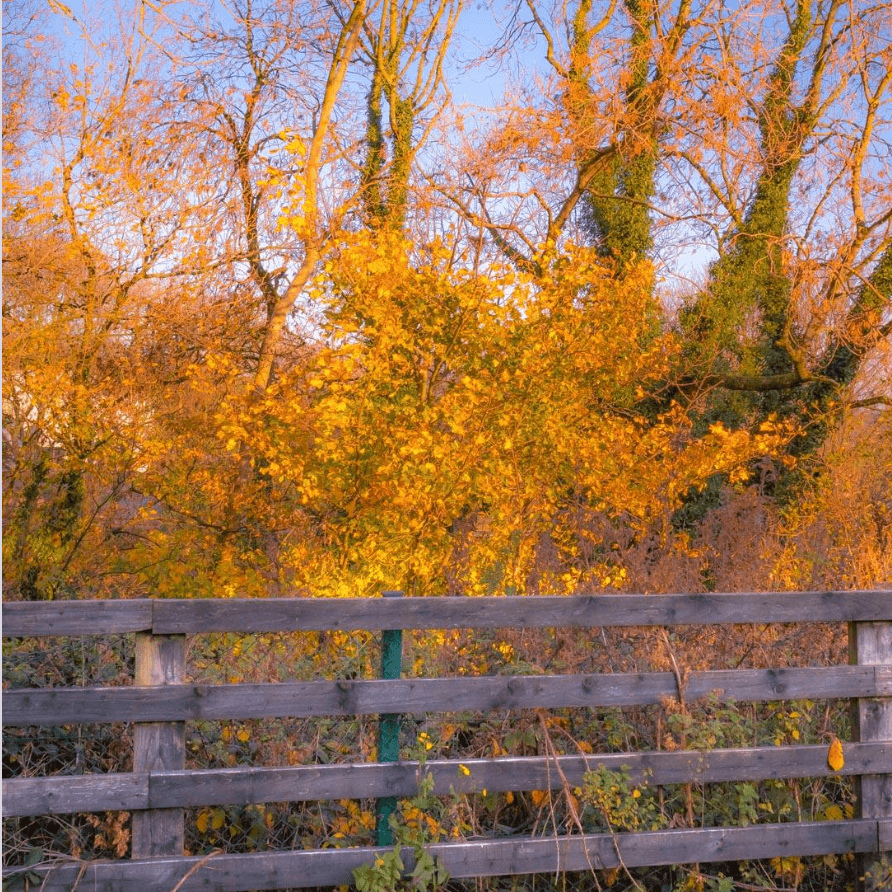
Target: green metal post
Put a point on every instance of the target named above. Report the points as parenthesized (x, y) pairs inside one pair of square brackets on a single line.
[(388, 725)]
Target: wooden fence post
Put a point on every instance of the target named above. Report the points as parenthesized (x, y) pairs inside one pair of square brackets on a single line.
[(388, 726), (870, 644), (159, 746)]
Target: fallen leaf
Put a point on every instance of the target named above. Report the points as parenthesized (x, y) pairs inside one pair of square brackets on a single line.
[(834, 755)]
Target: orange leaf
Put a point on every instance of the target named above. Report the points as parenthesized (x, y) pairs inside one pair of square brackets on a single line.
[(834, 755), (539, 797)]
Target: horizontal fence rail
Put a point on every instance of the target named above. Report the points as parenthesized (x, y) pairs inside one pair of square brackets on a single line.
[(159, 787), (475, 858), (169, 617), (182, 702), (247, 786)]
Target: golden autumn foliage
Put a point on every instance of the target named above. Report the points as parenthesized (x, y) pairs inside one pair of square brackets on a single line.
[(280, 316), (451, 438)]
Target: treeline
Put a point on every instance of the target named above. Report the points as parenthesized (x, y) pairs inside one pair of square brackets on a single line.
[(282, 314)]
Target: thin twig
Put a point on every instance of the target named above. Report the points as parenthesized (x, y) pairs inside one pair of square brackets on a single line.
[(565, 784), (197, 866), (681, 678), (64, 860)]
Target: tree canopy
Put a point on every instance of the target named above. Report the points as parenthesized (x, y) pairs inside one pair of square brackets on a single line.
[(288, 306)]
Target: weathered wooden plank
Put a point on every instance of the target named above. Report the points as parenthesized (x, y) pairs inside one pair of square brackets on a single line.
[(873, 645), (159, 746), (82, 793), (245, 785), (318, 614), (496, 857), (511, 856), (422, 695), (38, 618), (59, 706)]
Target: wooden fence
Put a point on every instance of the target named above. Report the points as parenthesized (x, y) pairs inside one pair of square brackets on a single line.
[(159, 704)]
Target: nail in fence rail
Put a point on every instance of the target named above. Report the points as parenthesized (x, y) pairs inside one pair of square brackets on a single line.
[(159, 781)]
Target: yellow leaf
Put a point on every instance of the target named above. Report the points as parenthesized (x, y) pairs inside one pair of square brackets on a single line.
[(539, 797), (296, 146), (62, 9), (201, 822), (834, 755), (244, 735), (833, 813)]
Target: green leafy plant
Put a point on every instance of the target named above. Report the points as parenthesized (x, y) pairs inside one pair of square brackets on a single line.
[(613, 802), (25, 878), (384, 873), (417, 823)]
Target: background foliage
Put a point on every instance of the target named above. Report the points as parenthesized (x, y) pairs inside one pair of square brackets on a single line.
[(279, 309), (291, 307)]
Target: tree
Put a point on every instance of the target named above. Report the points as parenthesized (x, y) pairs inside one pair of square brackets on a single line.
[(81, 240), (237, 358), (708, 123), (251, 97), (405, 81), (457, 439)]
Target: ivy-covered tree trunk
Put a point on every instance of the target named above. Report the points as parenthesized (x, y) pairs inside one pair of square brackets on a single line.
[(373, 200), (821, 401), (405, 53), (618, 199), (745, 311), (743, 326)]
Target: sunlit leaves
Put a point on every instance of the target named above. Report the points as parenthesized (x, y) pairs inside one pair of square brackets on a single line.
[(452, 422)]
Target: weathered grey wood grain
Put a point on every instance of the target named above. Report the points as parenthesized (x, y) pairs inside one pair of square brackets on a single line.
[(60, 706), (884, 834), (159, 746), (317, 614), (511, 856), (37, 618), (66, 795), (497, 857), (244, 786), (247, 615), (871, 643)]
